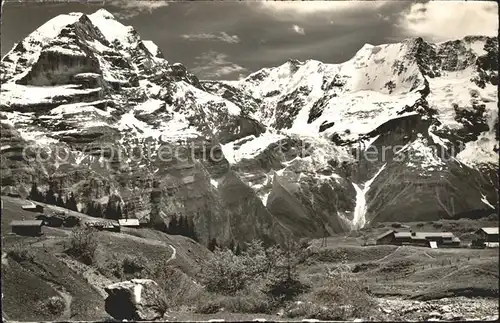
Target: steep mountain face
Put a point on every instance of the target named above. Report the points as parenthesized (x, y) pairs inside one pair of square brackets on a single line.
[(400, 132), (419, 121)]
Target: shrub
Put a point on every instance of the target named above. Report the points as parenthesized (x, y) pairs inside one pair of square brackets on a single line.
[(178, 287), (419, 225), (245, 301), (20, 253), (342, 298), (53, 305), (492, 217), (437, 225), (396, 225), (227, 273), (112, 268), (209, 305), (83, 245), (285, 288), (134, 266)]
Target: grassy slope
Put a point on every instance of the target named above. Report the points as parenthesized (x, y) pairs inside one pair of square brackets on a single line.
[(22, 290), (411, 272), (29, 281)]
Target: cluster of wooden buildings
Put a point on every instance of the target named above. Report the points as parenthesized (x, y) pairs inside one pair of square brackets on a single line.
[(423, 239), (114, 226), (58, 219), (487, 237)]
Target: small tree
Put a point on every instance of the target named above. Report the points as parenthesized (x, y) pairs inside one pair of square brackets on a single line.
[(83, 245), (71, 203), (59, 199), (35, 194), (50, 197), (212, 244), (225, 273), (237, 251), (173, 225)]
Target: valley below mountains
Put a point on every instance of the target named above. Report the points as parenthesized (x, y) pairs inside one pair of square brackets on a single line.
[(400, 132)]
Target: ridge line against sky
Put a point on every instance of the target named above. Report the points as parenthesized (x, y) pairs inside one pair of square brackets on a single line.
[(229, 40)]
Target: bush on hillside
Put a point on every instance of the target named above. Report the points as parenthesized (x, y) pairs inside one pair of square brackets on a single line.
[(396, 225), (250, 300), (342, 298), (226, 273), (20, 253), (134, 266), (53, 306), (83, 245), (437, 225), (111, 268), (179, 288)]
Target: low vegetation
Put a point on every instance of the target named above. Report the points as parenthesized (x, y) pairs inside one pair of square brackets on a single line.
[(21, 253), (263, 280), (53, 306), (83, 245), (342, 297)]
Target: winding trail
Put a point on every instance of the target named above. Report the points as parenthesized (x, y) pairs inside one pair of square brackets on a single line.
[(392, 253), (66, 314), (173, 255)]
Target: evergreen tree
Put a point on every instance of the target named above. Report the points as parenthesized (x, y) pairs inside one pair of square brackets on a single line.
[(212, 244), (99, 211), (118, 212), (90, 209), (192, 232), (237, 251), (71, 203), (231, 246), (110, 212), (59, 200), (50, 197), (184, 226), (173, 226), (35, 194)]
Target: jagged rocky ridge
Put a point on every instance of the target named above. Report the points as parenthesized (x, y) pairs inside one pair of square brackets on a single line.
[(283, 152)]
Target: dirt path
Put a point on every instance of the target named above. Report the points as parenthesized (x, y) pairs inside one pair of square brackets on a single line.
[(392, 253), (138, 239), (67, 298), (5, 261), (66, 315), (174, 254), (454, 271), (49, 241)]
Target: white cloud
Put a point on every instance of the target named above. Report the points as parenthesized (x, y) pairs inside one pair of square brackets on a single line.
[(298, 30), (224, 37), (295, 8), (214, 65), (131, 8), (445, 20)]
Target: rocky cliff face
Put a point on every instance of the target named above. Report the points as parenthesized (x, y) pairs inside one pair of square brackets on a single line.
[(400, 132)]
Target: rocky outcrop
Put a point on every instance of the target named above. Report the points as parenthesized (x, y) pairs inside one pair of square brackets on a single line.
[(445, 309), (136, 299)]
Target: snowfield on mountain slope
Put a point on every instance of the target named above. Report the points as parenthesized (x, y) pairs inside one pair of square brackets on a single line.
[(13, 94), (111, 28)]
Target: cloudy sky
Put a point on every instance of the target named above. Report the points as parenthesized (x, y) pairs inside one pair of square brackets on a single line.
[(228, 40)]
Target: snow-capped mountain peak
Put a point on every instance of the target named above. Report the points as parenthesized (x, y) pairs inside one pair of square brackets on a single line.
[(275, 151)]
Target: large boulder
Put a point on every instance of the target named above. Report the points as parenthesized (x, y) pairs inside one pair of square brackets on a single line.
[(136, 299)]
